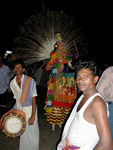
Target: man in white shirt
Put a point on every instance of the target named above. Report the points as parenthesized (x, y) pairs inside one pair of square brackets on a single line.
[(24, 90)]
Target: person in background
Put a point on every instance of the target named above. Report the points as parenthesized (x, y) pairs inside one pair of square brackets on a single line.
[(20, 85), (61, 87), (87, 127), (4, 85), (105, 88)]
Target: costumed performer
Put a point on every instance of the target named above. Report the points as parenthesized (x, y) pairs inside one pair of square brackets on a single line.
[(62, 91)]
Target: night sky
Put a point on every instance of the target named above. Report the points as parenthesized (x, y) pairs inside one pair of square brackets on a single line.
[(97, 19)]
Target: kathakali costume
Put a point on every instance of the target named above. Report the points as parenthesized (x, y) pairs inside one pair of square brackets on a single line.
[(62, 91)]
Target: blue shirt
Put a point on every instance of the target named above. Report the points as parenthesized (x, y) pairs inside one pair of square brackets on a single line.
[(4, 78)]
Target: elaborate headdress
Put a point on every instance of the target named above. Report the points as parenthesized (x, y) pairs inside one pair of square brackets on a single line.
[(59, 37)]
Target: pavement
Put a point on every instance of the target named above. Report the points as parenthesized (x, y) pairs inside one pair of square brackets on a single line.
[(48, 138)]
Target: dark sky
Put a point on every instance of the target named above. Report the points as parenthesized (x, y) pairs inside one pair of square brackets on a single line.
[(97, 19), (14, 13)]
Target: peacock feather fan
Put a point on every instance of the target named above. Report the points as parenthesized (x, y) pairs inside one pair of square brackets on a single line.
[(36, 36)]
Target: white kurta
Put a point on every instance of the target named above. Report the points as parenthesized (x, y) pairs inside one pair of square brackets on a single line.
[(29, 140)]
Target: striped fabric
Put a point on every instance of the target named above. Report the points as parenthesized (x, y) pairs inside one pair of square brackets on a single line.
[(69, 146)]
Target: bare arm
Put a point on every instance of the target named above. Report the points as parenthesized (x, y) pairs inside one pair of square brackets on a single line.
[(32, 118), (100, 115)]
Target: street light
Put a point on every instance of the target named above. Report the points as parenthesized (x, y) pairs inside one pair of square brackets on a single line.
[(8, 52)]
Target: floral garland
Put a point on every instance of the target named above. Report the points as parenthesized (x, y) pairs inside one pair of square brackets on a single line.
[(54, 60)]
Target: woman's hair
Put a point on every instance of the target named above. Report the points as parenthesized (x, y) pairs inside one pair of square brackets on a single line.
[(18, 61), (88, 64)]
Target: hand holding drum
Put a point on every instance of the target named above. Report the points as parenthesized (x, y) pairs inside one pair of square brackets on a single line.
[(13, 123)]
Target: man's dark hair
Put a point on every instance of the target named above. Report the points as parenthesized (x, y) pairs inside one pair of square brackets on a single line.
[(88, 64), (18, 61)]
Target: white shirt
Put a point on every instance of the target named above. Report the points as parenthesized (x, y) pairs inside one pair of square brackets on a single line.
[(17, 95)]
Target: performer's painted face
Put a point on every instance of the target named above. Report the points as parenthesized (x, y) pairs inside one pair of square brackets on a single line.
[(18, 69), (59, 46), (58, 43)]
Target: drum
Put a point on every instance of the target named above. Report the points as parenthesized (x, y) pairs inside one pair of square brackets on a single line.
[(13, 123)]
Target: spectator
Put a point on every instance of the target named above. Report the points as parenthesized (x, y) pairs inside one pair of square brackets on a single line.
[(29, 140), (4, 85), (87, 127), (105, 87)]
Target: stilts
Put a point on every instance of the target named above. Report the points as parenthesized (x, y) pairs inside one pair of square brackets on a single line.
[(60, 125), (53, 127)]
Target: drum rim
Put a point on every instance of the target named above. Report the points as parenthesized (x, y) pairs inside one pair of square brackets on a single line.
[(6, 132)]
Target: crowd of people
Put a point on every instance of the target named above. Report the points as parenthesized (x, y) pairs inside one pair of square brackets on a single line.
[(87, 121)]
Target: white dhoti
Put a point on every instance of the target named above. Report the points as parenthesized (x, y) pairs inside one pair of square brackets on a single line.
[(29, 140)]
